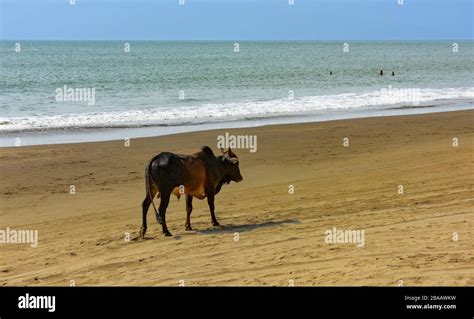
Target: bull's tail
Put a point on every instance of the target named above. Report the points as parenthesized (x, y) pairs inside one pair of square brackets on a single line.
[(149, 199), (148, 190)]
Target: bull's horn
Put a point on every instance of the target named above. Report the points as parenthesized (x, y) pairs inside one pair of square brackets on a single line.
[(233, 160)]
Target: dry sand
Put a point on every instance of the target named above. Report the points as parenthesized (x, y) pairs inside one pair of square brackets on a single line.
[(408, 237)]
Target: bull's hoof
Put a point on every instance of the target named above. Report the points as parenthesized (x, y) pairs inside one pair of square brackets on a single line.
[(158, 219), (215, 223), (168, 234), (188, 227), (142, 232)]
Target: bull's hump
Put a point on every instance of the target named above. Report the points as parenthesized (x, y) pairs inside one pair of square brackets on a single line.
[(207, 150)]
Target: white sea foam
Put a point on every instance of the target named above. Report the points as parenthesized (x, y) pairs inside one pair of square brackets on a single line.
[(212, 113)]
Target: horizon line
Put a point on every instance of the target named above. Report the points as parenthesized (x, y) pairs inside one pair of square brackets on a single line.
[(246, 40)]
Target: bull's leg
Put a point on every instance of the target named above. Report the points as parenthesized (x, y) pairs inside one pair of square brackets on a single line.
[(210, 202), (145, 204), (189, 209), (165, 199)]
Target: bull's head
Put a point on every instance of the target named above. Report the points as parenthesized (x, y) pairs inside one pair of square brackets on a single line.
[(231, 165)]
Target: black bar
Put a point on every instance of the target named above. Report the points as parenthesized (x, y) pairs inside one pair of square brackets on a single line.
[(435, 302)]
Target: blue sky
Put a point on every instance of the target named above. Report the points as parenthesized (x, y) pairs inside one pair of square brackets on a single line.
[(236, 20)]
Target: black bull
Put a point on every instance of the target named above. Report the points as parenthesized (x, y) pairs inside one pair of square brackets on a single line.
[(199, 175)]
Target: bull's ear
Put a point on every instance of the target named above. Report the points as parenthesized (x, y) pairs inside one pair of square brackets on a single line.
[(224, 151), (231, 154)]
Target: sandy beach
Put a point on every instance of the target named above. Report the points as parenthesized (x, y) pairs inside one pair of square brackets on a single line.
[(423, 236)]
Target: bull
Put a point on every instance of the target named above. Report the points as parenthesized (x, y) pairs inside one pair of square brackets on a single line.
[(199, 175)]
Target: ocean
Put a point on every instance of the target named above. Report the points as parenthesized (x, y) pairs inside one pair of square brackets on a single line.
[(76, 91)]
